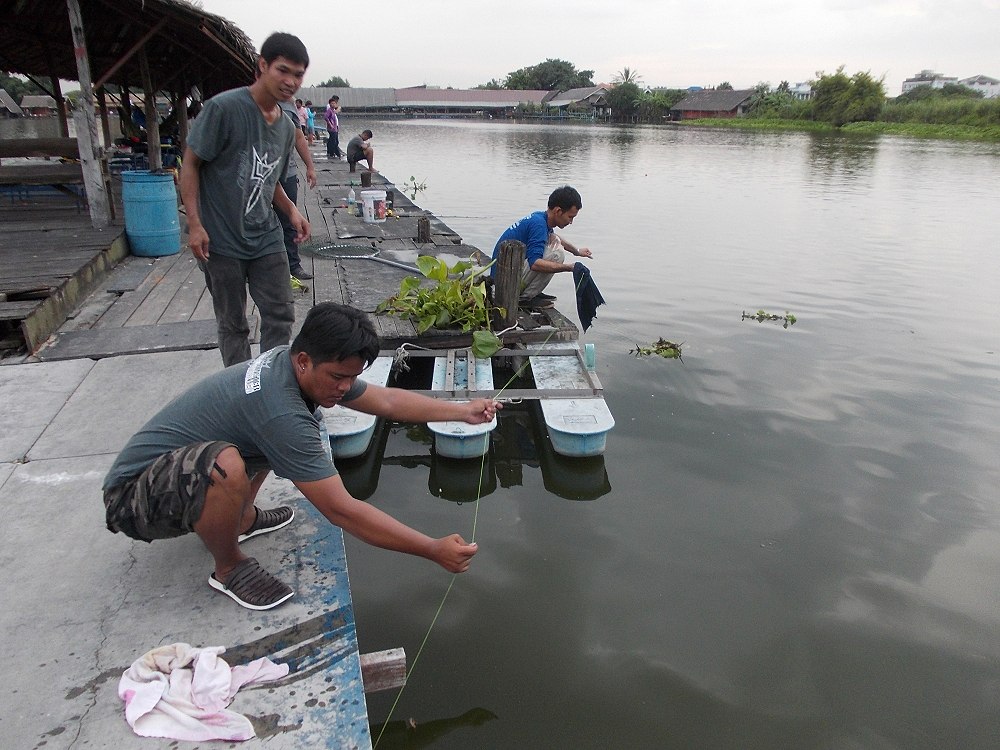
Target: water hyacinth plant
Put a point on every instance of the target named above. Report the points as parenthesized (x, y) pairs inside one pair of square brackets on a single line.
[(457, 299)]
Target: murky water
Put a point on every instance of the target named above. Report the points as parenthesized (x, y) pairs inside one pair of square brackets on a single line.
[(794, 536)]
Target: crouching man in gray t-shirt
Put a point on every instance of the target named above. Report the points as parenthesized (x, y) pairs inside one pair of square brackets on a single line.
[(198, 464)]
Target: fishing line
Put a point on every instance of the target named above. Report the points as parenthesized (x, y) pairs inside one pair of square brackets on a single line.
[(475, 524)]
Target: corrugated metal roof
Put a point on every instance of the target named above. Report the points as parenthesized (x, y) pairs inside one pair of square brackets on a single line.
[(37, 100), (714, 100), (472, 98), (351, 98), (8, 103), (572, 96)]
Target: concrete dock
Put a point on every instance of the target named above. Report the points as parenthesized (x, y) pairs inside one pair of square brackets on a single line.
[(81, 604)]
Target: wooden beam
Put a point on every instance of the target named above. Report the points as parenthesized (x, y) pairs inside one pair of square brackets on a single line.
[(86, 125), (153, 31), (383, 670), (241, 60)]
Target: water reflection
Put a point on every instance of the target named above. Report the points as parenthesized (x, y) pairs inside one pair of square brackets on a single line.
[(545, 146), (414, 734), (519, 441), (840, 157)]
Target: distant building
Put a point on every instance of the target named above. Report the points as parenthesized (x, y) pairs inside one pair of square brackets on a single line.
[(928, 78), (801, 91), (591, 101), (38, 105), (8, 107), (721, 103), (422, 101), (990, 87)]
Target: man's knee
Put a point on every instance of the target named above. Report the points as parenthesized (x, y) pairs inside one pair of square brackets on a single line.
[(229, 472)]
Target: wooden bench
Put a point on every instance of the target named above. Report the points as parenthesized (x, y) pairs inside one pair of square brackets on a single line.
[(57, 174)]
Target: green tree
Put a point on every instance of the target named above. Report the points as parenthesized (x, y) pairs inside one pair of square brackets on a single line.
[(839, 100), (492, 84), (624, 100), (654, 106), (17, 86), (784, 88), (551, 75), (725, 86), (334, 83), (628, 75)]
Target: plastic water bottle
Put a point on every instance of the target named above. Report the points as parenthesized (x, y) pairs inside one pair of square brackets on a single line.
[(351, 198)]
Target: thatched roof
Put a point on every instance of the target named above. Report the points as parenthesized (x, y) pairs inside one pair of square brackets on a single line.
[(191, 47)]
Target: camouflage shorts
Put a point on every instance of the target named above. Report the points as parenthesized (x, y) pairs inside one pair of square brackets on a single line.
[(166, 499)]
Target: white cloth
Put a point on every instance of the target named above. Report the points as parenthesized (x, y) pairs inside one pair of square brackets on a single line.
[(181, 692)]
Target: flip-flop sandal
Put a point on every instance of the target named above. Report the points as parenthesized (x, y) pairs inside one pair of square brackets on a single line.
[(250, 586)]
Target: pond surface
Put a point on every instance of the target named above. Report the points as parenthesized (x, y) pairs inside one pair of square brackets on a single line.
[(793, 540)]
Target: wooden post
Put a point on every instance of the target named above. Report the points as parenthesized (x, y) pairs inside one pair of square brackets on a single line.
[(61, 107), (507, 281), (152, 115), (423, 230), (102, 105), (86, 125)]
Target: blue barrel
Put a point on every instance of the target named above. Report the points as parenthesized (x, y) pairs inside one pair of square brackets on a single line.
[(151, 220)]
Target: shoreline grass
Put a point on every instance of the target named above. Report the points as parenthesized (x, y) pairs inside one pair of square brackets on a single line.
[(910, 129)]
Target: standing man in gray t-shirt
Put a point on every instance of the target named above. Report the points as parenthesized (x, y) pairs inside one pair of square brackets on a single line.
[(236, 152)]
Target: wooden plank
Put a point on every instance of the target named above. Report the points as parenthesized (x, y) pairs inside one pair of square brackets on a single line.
[(185, 301), (383, 670), (17, 310), (98, 343), (156, 302), (42, 174), (60, 147)]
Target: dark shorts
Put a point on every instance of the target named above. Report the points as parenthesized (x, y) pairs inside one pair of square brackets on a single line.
[(166, 499)]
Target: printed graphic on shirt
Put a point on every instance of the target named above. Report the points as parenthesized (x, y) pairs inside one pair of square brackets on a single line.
[(262, 169), (251, 382)]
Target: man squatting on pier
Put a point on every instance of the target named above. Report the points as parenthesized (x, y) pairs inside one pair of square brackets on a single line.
[(543, 248), (237, 151), (198, 464)]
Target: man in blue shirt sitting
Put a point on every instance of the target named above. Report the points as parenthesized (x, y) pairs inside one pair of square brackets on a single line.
[(544, 251)]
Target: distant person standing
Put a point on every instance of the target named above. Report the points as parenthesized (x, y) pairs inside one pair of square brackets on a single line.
[(236, 152), (290, 184), (544, 250), (360, 147), (332, 118), (310, 122)]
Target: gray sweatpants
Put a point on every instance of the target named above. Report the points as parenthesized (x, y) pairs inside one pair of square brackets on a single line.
[(270, 287)]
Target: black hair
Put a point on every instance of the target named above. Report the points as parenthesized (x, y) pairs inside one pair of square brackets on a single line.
[(288, 46), (367, 133), (333, 333), (565, 197)]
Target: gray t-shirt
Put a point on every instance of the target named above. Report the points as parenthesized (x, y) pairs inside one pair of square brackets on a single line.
[(244, 157), (289, 111), (257, 406)]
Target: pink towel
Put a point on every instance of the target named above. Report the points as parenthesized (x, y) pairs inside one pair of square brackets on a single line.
[(181, 693)]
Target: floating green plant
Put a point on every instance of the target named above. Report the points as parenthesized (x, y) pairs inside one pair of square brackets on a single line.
[(761, 315), (412, 186), (666, 349), (457, 299)]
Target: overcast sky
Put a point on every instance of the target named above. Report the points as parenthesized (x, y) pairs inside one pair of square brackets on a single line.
[(390, 43)]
